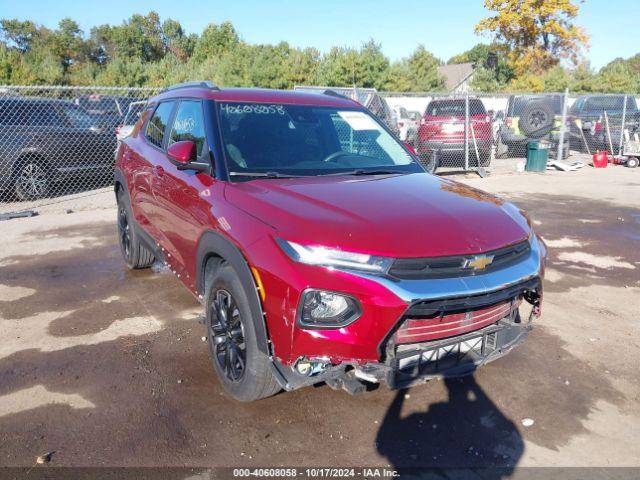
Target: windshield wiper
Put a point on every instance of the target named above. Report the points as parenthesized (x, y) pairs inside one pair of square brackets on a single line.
[(263, 175), (362, 171)]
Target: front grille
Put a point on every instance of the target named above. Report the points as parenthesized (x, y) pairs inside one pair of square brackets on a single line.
[(460, 355), (454, 265), (449, 324)]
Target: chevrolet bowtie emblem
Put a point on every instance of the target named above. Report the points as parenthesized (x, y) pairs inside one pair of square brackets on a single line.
[(479, 262)]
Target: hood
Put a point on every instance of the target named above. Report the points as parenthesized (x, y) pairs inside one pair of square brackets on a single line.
[(414, 215)]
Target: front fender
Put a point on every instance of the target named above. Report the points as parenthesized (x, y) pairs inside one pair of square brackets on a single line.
[(214, 244)]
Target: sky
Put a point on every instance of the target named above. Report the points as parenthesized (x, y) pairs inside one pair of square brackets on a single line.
[(443, 27)]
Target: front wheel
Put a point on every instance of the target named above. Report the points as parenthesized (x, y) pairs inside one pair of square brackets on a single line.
[(244, 371)]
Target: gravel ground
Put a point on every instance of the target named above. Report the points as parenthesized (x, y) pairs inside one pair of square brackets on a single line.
[(107, 367)]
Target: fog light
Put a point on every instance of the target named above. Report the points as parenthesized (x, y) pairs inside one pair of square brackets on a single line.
[(324, 309)]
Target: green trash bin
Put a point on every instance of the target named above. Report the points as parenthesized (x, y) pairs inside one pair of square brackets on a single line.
[(537, 156)]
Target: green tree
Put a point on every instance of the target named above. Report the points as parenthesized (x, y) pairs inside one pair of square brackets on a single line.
[(399, 77), (18, 34), (338, 67), (215, 41), (176, 41), (67, 43), (480, 55), (423, 71), (371, 68), (557, 80), (484, 80), (618, 77), (140, 37), (583, 79)]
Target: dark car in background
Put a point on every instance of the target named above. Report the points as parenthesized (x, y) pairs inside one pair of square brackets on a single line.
[(441, 136), (596, 121), (109, 110), (531, 117), (46, 141)]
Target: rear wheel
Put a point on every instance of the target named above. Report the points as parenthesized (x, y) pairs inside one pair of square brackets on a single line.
[(243, 370), (632, 162), (32, 180), (135, 254)]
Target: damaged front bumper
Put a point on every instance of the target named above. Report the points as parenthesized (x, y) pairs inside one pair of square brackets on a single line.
[(406, 364), (412, 364)]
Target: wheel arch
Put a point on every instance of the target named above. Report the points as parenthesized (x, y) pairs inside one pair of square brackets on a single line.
[(119, 181), (213, 248)]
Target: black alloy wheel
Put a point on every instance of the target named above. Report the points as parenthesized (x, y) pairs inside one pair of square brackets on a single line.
[(227, 336), (124, 232)]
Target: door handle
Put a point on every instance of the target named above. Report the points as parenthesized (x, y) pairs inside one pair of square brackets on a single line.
[(158, 171)]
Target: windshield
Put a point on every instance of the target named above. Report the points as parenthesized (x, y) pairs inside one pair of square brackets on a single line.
[(457, 108), (78, 117), (307, 141), (553, 101)]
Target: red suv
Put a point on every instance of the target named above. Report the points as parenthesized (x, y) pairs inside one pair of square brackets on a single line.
[(441, 138), (319, 247)]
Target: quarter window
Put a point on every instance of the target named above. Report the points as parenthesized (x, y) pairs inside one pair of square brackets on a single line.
[(188, 125), (158, 123)]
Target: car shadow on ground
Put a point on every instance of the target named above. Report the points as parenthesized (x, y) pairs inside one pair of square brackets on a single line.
[(468, 430)]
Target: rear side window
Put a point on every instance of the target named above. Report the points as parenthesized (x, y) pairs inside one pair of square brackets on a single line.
[(598, 104), (158, 123), (28, 114), (188, 124)]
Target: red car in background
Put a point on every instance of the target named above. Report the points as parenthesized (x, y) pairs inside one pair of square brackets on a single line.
[(441, 136), (319, 247)]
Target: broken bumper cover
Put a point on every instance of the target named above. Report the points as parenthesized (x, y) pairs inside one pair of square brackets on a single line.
[(413, 364)]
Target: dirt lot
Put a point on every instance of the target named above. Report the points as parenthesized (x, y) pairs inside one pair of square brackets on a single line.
[(107, 367)]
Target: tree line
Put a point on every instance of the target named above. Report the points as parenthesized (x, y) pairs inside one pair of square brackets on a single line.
[(146, 51)]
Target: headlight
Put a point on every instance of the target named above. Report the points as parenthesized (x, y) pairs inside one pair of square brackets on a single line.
[(329, 257), (324, 309)]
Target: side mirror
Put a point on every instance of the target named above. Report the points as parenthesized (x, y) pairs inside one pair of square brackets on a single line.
[(182, 152)]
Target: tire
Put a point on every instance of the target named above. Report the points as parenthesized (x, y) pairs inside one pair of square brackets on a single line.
[(32, 180), (537, 119), (632, 162), (502, 150), (243, 370), (134, 253)]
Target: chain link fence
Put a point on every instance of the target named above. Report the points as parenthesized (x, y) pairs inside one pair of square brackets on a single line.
[(59, 143), (470, 131)]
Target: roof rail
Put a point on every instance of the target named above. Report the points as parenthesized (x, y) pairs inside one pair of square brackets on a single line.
[(333, 93), (194, 84)]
